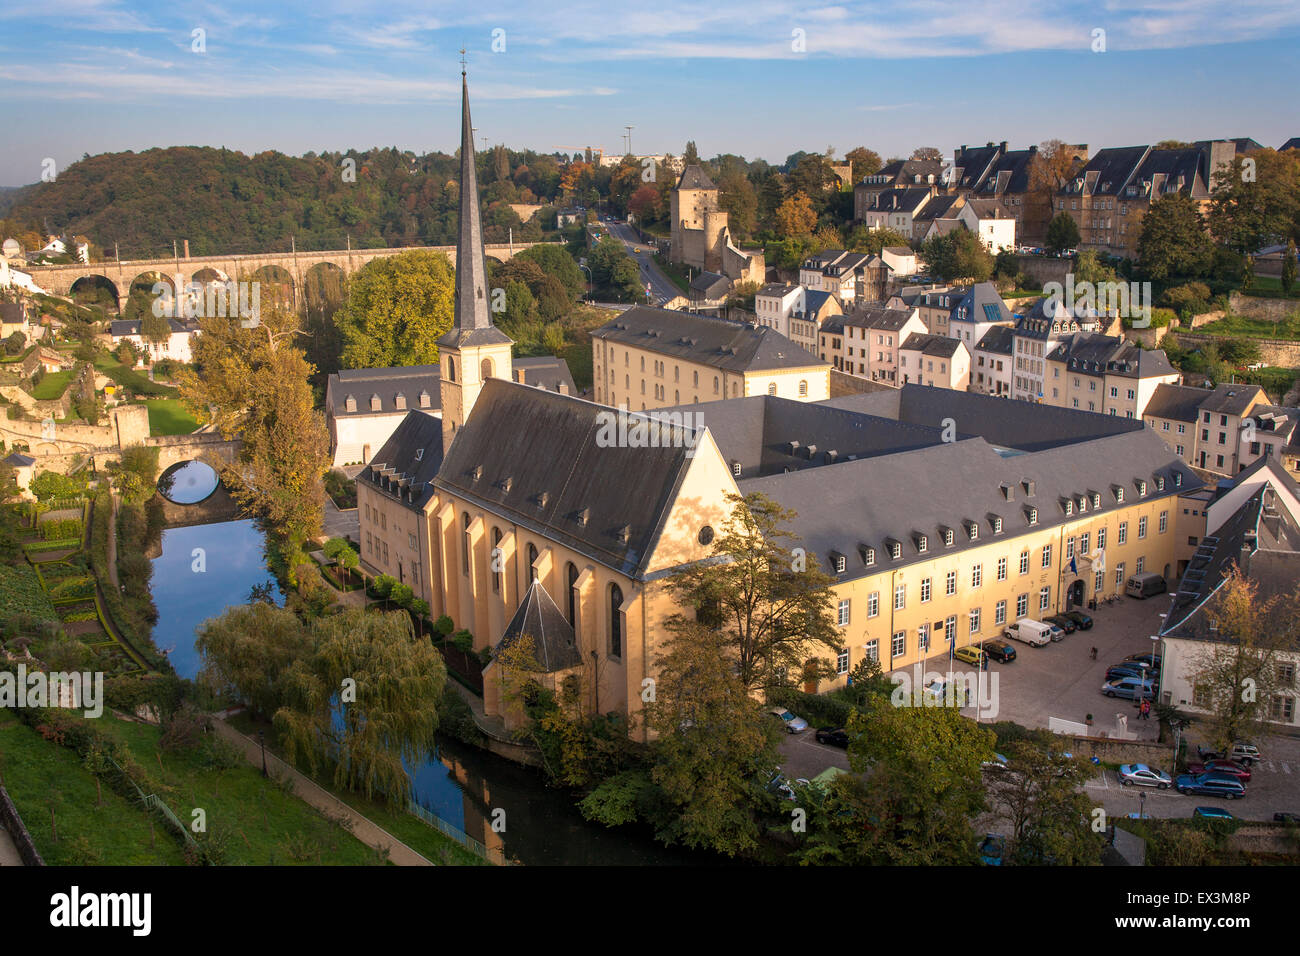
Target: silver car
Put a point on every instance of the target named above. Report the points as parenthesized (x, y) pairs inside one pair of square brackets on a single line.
[(1139, 774), (795, 725)]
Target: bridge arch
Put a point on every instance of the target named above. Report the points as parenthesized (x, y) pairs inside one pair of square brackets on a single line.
[(95, 289), (140, 296), (276, 286), (324, 284)]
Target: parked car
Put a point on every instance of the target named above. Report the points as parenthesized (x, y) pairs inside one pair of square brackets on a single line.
[(1145, 585), (793, 724), (776, 783), (1116, 671), (1244, 753), (1129, 688), (1286, 817), (1082, 621), (1063, 622), (1211, 785), (1213, 813), (971, 654), (1150, 660), (835, 736), (998, 762), (1230, 767), (1139, 774), (1027, 631), (999, 651)]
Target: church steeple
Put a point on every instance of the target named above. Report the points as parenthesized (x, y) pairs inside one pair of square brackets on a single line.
[(473, 349)]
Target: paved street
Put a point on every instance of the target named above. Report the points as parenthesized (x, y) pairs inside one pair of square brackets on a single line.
[(803, 756), (661, 286)]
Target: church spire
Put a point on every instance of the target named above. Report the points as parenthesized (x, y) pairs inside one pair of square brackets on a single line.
[(471, 269)]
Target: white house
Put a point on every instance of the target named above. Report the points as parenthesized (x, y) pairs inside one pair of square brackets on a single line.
[(176, 347)]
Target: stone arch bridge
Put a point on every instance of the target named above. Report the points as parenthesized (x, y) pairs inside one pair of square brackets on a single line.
[(60, 279)]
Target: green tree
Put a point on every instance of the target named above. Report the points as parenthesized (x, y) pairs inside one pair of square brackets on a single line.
[(396, 308), (711, 739), (1256, 201), (365, 700), (246, 650), (1289, 267), (871, 241), (929, 153), (864, 161), (770, 602), (1173, 241), (135, 473), (155, 328), (1062, 233), (957, 255)]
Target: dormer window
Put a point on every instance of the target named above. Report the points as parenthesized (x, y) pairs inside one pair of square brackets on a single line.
[(1119, 493), (868, 554), (1141, 487), (1178, 479), (1160, 482), (350, 404), (838, 562), (1031, 513), (947, 537), (997, 524), (1068, 506), (921, 543), (1096, 499), (425, 401), (972, 529), (376, 404), (399, 402), (735, 468), (895, 549), (1082, 503)]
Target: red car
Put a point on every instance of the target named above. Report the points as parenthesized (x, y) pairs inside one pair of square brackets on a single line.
[(1229, 767)]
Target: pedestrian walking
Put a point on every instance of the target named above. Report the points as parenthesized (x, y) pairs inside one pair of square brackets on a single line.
[(1093, 653)]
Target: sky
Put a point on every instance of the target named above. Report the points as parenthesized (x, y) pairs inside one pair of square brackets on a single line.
[(753, 77)]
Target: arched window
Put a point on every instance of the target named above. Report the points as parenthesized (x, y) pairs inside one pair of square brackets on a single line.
[(486, 369), (532, 561), (615, 621), (803, 389), (771, 389), (451, 368), (496, 561), (715, 385), (464, 547), (571, 580)]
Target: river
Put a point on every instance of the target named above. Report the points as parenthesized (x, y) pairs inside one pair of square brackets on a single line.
[(205, 568)]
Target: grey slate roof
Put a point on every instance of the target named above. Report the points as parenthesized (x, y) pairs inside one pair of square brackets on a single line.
[(941, 346), (388, 383), (545, 371), (694, 177), (710, 285), (403, 469), (874, 317), (1108, 171), (1000, 339), (720, 343), (1178, 403), (533, 458), (972, 163), (120, 327), (907, 172), (906, 199), (953, 485), (1024, 426), (981, 303), (1231, 399), (19, 460), (1091, 353), (554, 646), (1292, 143)]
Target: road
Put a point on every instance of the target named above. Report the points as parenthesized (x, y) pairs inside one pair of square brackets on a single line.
[(661, 287)]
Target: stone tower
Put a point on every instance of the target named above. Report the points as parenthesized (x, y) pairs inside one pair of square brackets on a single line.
[(473, 350)]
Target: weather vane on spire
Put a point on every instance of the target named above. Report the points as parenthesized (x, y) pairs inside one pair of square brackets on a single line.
[(462, 61)]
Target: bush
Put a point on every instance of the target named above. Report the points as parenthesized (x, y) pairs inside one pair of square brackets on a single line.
[(463, 641), (1191, 298), (820, 710), (444, 625), (184, 732)]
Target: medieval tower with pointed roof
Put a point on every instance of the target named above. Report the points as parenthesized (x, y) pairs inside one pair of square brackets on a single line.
[(473, 350)]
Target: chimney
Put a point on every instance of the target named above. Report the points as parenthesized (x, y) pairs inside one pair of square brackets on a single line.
[(186, 243), (1003, 145), (1243, 559), (563, 388)]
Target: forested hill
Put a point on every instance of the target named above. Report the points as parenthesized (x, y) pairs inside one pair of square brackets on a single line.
[(226, 202)]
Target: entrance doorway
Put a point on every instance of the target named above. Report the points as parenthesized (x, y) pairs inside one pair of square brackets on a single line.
[(1074, 595)]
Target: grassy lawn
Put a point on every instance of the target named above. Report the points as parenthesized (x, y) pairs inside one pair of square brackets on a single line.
[(130, 378), (1240, 325), (1273, 379), (168, 416), (52, 385), (414, 832), (267, 825), (113, 832), (1271, 284)]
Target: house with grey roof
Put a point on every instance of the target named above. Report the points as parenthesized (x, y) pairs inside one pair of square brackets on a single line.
[(936, 360), (991, 362), (899, 174), (865, 342), (363, 407), (1105, 374)]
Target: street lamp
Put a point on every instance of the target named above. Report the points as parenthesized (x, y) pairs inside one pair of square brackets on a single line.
[(629, 137), (261, 739), (582, 264)]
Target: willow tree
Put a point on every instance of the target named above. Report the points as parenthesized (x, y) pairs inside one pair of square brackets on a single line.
[(246, 650), (365, 700), (253, 384), (767, 598)]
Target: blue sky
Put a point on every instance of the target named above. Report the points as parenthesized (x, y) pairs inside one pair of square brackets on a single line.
[(91, 76)]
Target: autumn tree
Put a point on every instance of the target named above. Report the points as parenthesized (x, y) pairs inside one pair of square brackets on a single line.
[(927, 153), (1173, 241), (1040, 796), (767, 598), (253, 384), (1052, 166), (1237, 672), (864, 161), (796, 218), (396, 308)]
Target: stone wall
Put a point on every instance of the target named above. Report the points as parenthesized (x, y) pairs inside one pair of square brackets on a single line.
[(13, 823), (1260, 308), (1114, 750), (844, 384), (1042, 269), (1271, 351)]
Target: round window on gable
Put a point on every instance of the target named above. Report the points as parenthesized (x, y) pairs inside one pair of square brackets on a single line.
[(706, 535)]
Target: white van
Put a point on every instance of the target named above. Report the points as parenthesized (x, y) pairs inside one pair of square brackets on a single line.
[(1028, 631)]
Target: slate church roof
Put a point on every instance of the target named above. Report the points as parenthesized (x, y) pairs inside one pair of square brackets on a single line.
[(555, 647)]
